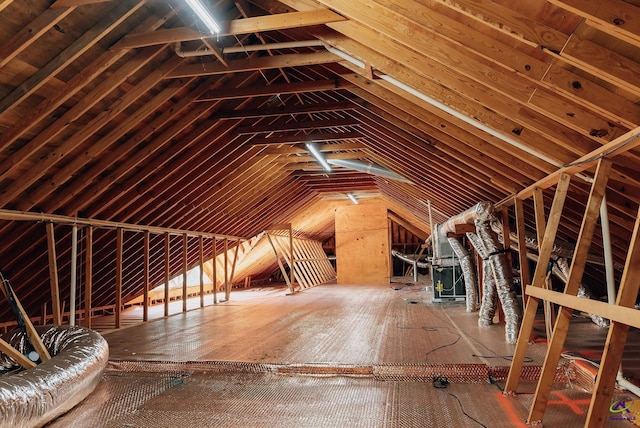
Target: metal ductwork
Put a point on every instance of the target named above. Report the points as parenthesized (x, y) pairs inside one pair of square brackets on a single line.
[(368, 168)]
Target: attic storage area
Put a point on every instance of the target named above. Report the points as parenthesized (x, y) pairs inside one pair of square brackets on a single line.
[(368, 157)]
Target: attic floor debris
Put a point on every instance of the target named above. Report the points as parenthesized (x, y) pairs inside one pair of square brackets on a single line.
[(334, 355)]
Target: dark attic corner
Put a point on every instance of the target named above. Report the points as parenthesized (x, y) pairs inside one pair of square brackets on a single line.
[(319, 213)]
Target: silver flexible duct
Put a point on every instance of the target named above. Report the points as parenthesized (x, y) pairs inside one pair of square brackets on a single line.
[(489, 295), (408, 259), (33, 397), (501, 270), (561, 270), (497, 277), (468, 272)]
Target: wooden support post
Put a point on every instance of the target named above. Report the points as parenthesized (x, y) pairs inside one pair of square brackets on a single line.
[(185, 261), (576, 271), (119, 250), (201, 264), (214, 273), (616, 337), (167, 272), (145, 275), (227, 291), (282, 269), (233, 267), (53, 275), (522, 247), (541, 224), (531, 307), (88, 275), (43, 319), (291, 251)]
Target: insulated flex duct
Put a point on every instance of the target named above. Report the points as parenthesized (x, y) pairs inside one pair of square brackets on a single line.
[(33, 397), (560, 267), (501, 270), (469, 277), (489, 295), (497, 277)]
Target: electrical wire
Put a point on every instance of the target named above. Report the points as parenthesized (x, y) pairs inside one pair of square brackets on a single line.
[(441, 382)]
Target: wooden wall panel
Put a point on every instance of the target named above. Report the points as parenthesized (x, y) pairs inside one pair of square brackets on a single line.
[(362, 244)]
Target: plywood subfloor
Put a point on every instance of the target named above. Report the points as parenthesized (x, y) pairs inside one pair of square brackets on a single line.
[(334, 355)]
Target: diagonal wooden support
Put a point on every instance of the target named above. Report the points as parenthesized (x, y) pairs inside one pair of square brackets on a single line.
[(282, 269), (531, 306), (14, 354), (563, 319), (617, 336), (538, 205), (33, 335)]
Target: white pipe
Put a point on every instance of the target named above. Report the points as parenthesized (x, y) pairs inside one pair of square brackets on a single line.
[(72, 286), (475, 123), (368, 168), (247, 48), (608, 255), (313, 149), (625, 384)]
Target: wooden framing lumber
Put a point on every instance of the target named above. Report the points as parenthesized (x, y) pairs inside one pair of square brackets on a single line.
[(119, 262), (53, 275), (201, 265), (579, 260), (88, 275), (13, 353), (146, 269), (185, 262), (531, 305)]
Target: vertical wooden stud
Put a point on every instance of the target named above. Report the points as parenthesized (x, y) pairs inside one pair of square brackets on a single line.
[(214, 270), (88, 275), (145, 275), (53, 275), (579, 260), (167, 272), (201, 264), (531, 307), (227, 292), (119, 250), (185, 261)]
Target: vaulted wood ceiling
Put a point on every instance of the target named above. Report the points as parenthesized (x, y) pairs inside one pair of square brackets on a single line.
[(130, 111)]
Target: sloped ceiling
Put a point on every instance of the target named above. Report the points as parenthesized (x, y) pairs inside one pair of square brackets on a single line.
[(111, 110)]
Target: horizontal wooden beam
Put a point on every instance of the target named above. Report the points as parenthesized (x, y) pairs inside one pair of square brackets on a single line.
[(271, 90), (622, 144), (621, 314), (239, 26), (285, 111), (78, 221), (306, 138), (253, 64), (75, 3)]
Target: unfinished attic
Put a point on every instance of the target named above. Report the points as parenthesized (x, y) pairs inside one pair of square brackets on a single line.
[(319, 213)]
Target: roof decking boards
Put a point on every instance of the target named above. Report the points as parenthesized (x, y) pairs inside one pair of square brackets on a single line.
[(100, 118)]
